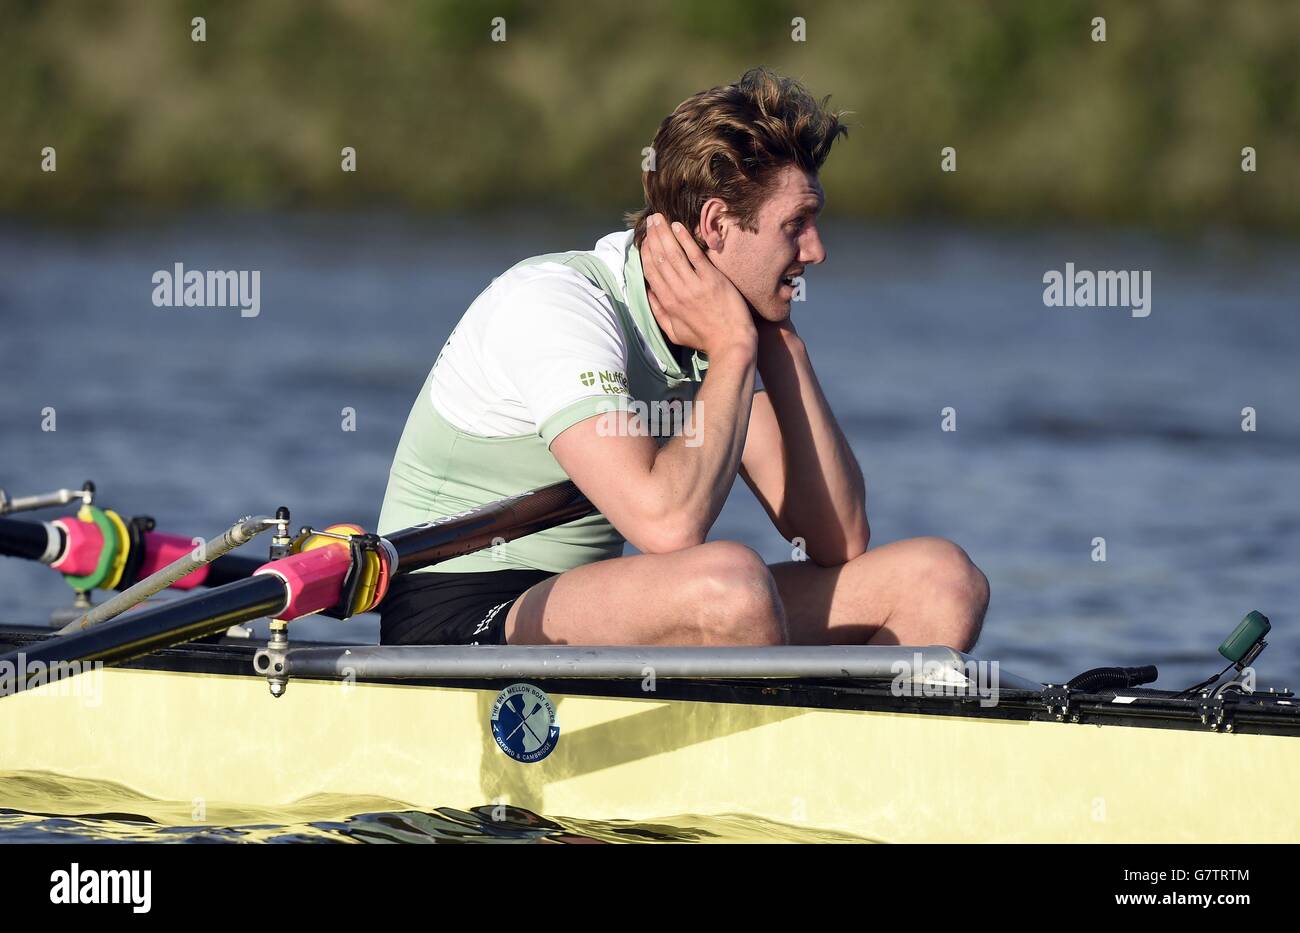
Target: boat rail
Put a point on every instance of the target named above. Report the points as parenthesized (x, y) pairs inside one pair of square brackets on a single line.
[(929, 664)]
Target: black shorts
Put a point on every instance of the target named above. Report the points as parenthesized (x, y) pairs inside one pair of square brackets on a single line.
[(452, 608)]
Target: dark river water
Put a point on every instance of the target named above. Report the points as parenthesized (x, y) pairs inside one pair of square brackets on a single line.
[(1072, 423)]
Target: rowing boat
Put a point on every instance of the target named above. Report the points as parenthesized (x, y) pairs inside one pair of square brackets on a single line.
[(852, 757), (893, 744)]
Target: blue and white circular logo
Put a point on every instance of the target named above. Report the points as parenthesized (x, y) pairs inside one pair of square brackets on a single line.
[(524, 723)]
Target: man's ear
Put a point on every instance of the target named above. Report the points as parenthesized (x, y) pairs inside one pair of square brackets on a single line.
[(710, 231)]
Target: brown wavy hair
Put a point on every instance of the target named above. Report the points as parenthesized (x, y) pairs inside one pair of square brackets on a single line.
[(730, 142)]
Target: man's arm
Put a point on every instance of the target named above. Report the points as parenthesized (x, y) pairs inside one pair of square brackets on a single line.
[(797, 460), (666, 498)]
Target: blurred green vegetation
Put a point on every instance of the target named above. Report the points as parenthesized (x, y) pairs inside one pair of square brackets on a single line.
[(1146, 128)]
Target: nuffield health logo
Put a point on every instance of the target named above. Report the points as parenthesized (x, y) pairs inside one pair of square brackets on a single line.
[(612, 382)]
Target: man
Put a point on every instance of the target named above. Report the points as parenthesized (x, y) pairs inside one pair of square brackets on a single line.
[(542, 378)]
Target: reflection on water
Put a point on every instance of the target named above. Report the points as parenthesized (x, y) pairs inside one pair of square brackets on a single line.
[(49, 808)]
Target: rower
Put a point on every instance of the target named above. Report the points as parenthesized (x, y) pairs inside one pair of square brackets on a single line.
[(543, 379)]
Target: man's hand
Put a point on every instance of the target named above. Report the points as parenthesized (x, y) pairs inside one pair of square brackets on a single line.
[(693, 300)]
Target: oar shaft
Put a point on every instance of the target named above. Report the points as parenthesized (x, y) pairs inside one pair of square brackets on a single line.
[(138, 633), (230, 567), (504, 520), (28, 540)]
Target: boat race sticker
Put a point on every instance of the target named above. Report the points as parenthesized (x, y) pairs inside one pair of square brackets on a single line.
[(524, 723)]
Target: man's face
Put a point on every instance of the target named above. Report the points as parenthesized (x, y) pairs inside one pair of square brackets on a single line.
[(760, 264)]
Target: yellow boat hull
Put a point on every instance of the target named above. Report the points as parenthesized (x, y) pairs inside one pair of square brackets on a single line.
[(208, 749)]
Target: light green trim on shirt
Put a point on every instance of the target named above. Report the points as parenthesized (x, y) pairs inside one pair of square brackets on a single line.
[(580, 410)]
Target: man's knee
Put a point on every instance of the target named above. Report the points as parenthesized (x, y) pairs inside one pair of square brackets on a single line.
[(957, 591), (735, 596)]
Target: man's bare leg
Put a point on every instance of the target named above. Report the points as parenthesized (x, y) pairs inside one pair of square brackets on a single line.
[(718, 593), (919, 591)]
